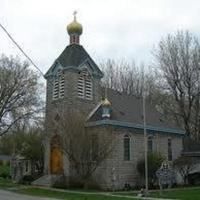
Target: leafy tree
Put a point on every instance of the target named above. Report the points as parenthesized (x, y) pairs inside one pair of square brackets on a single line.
[(154, 162), (19, 99), (26, 142)]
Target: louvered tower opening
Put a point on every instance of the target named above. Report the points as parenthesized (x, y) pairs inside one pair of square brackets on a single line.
[(59, 86), (85, 90)]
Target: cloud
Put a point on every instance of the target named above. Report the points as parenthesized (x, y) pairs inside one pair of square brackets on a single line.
[(111, 28)]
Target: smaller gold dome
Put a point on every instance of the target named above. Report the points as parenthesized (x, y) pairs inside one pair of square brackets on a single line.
[(74, 27), (106, 102)]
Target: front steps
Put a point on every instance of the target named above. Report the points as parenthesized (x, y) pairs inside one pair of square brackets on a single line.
[(47, 180)]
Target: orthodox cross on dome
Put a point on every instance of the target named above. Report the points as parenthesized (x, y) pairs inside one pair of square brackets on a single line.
[(75, 13), (74, 30)]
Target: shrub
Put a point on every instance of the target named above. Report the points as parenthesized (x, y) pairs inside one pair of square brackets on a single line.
[(61, 183), (5, 171), (154, 162), (76, 183), (27, 179)]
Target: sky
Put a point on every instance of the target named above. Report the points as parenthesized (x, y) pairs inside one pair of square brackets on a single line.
[(112, 29)]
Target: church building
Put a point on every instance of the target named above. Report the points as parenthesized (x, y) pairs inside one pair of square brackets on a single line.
[(74, 81)]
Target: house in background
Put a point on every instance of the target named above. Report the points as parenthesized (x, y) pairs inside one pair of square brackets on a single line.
[(15, 167), (192, 151), (5, 159), (20, 167), (73, 82)]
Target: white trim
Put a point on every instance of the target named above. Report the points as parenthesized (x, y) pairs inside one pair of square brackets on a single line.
[(93, 111)]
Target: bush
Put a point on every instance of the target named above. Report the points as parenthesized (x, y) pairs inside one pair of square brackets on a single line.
[(27, 179), (5, 171), (154, 162), (64, 182), (61, 183), (76, 183)]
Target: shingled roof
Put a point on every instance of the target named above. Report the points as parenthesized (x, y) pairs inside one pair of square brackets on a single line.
[(74, 55), (128, 109)]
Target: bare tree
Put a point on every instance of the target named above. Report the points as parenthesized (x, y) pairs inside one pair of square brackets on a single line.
[(178, 57), (19, 98), (184, 165), (86, 148), (127, 77)]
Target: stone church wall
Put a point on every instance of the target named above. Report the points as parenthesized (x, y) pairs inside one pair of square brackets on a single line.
[(70, 101), (114, 172)]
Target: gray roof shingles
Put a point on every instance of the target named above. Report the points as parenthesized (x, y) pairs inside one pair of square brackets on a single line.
[(125, 108), (75, 55), (128, 108), (5, 157)]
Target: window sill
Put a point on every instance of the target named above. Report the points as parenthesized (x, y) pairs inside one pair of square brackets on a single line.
[(85, 100)]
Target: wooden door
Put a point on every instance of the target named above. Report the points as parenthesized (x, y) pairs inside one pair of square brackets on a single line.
[(56, 160)]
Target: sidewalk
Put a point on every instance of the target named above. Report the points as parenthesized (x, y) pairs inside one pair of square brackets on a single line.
[(101, 193)]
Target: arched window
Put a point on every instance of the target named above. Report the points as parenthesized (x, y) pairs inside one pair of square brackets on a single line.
[(85, 86), (169, 144), (150, 144), (94, 148), (126, 147), (59, 86)]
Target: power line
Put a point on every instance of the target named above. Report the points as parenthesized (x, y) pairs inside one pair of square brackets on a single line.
[(18, 46)]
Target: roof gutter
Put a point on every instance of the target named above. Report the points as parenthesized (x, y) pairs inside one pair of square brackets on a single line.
[(133, 125)]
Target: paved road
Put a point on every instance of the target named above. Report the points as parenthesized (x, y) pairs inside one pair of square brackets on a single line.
[(6, 195)]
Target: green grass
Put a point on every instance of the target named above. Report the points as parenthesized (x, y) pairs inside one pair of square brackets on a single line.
[(66, 195), (177, 193), (188, 193), (6, 183), (183, 194)]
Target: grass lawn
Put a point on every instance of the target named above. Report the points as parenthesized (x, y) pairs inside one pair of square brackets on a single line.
[(6, 183), (192, 193), (183, 194), (66, 195)]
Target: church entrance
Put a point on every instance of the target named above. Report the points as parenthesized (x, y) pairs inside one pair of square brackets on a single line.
[(56, 158)]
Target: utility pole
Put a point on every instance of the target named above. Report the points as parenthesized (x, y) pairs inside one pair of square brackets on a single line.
[(145, 137)]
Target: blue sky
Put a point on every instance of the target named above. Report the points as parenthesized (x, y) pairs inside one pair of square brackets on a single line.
[(116, 29)]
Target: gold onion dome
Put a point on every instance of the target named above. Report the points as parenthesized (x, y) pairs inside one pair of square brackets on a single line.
[(74, 27), (106, 102)]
